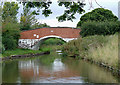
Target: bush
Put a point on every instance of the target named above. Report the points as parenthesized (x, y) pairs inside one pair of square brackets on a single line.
[(99, 28), (9, 42), (10, 35)]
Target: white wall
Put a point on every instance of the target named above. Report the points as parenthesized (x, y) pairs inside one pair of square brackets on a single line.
[(33, 43)]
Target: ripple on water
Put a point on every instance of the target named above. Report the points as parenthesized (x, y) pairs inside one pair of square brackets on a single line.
[(60, 80)]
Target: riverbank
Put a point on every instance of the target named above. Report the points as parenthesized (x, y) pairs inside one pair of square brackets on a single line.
[(24, 56), (102, 50), (23, 53)]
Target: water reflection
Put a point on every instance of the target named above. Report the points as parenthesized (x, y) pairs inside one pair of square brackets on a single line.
[(59, 52), (92, 72), (59, 80), (10, 72), (51, 69), (31, 71), (58, 65)]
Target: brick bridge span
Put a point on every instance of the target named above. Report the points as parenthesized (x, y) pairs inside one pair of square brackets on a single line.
[(31, 39)]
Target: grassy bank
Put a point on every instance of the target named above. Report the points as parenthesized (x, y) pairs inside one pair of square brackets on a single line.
[(22, 51), (96, 48)]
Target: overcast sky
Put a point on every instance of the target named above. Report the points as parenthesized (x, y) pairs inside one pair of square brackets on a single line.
[(57, 11), (52, 21)]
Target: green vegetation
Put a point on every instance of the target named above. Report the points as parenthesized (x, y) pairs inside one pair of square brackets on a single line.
[(19, 52), (52, 44), (10, 27), (53, 41), (72, 8), (99, 41), (99, 28), (49, 59), (23, 51), (98, 14), (98, 48), (50, 47), (28, 20), (10, 9), (47, 45), (10, 35)]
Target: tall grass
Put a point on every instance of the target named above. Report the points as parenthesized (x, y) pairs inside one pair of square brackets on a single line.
[(98, 48), (107, 53)]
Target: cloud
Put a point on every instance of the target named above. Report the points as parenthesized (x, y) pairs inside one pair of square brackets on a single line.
[(55, 23)]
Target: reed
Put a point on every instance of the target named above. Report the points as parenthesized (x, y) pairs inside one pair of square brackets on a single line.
[(99, 48)]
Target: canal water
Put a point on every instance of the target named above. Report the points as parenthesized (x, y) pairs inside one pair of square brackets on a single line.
[(54, 68)]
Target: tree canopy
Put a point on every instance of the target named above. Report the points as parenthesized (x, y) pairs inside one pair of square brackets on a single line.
[(27, 19), (10, 25), (72, 8), (10, 34), (99, 14), (10, 9)]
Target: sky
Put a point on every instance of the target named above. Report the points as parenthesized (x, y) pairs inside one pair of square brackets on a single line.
[(57, 11)]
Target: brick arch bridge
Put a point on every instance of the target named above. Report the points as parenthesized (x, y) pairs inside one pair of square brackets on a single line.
[(31, 39)]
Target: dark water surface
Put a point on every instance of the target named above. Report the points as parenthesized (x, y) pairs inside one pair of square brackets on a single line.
[(54, 68)]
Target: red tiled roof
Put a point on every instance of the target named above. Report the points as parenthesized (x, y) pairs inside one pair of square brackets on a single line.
[(62, 32)]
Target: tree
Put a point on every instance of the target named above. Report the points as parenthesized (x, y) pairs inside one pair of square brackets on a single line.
[(10, 9), (9, 42), (10, 27), (10, 34), (99, 14), (39, 25), (28, 20), (72, 8)]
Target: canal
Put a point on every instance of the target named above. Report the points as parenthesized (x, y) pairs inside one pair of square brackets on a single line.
[(54, 68)]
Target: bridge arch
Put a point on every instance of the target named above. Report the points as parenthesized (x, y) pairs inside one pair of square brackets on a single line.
[(37, 45), (52, 36)]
